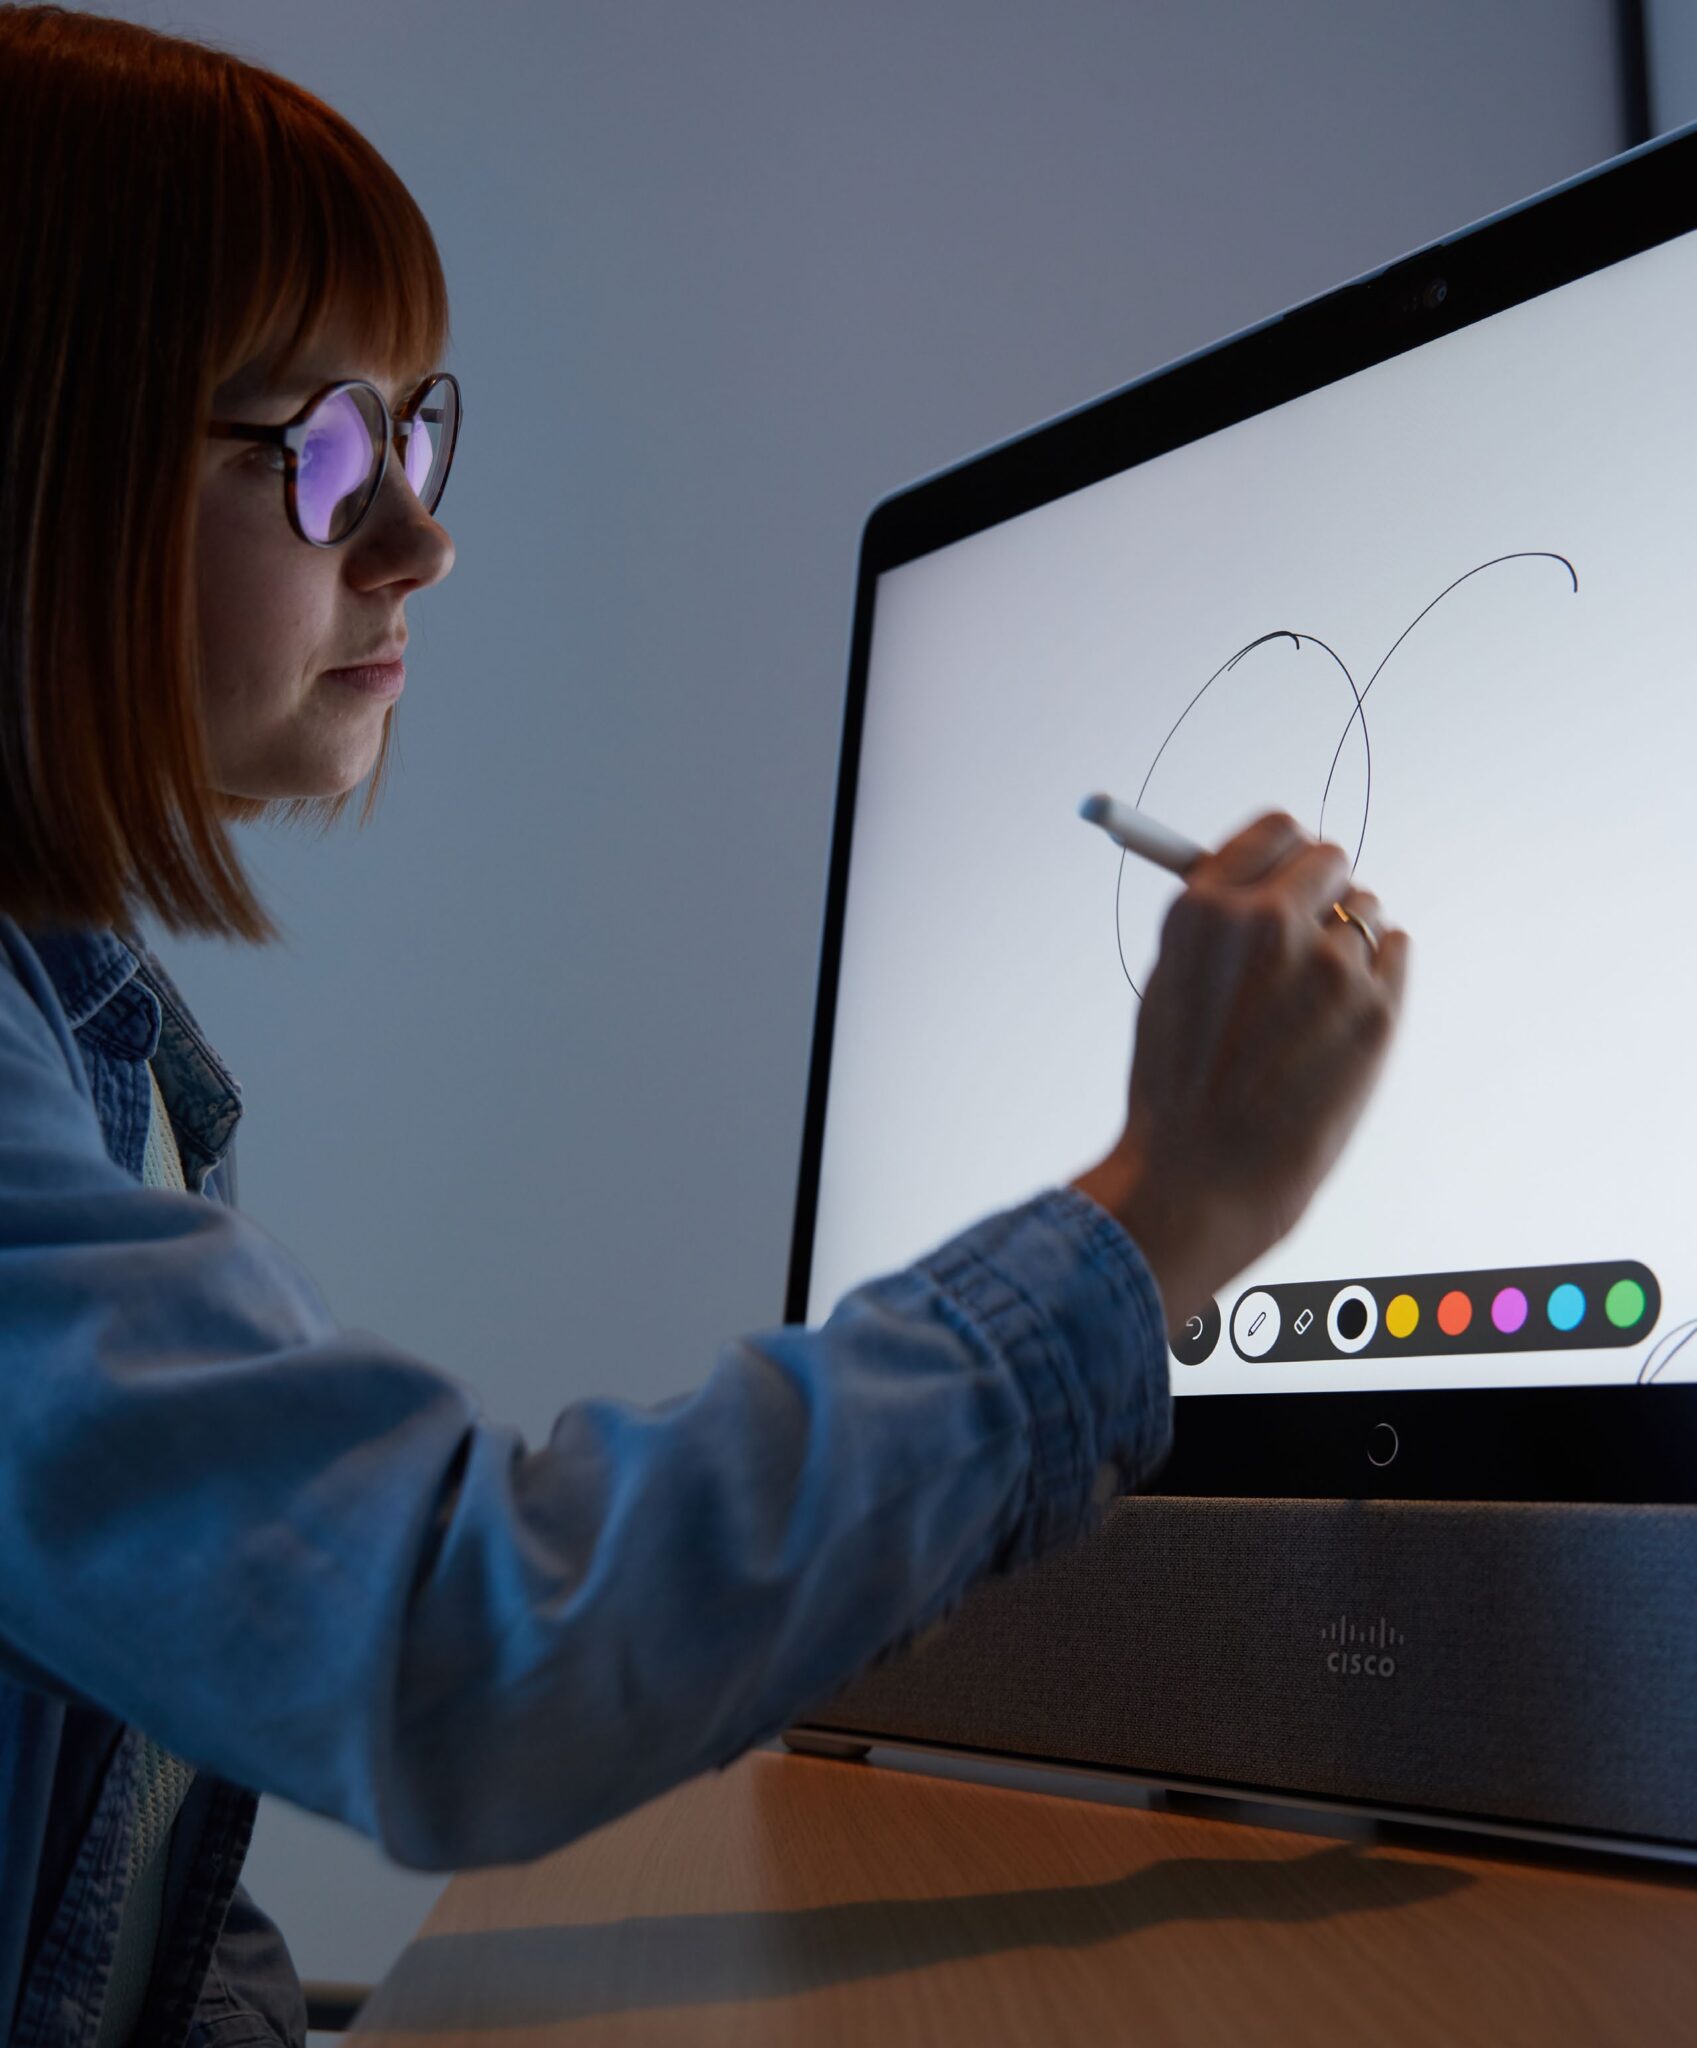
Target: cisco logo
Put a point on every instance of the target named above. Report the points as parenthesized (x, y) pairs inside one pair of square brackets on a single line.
[(1361, 1649)]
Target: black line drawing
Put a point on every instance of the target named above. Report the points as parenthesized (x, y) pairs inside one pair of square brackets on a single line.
[(1357, 715), (1665, 1350)]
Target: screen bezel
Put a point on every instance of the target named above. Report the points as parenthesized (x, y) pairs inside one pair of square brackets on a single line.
[(1606, 1443)]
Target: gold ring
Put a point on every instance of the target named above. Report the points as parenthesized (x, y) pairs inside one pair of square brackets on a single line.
[(1362, 926)]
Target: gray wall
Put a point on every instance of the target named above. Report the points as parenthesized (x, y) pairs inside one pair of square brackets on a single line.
[(1670, 36), (524, 1093)]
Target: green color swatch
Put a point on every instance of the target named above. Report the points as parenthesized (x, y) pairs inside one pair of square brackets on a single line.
[(1624, 1304)]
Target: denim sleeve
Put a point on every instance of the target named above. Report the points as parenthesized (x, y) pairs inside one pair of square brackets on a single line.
[(303, 1558)]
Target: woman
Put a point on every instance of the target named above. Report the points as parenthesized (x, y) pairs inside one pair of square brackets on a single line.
[(244, 1549)]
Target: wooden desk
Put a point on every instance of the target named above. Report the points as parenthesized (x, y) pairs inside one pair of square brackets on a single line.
[(799, 1900)]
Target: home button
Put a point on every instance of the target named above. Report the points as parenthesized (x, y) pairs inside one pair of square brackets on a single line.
[(1383, 1444)]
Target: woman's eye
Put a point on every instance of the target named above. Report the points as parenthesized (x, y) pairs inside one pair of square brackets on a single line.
[(268, 456)]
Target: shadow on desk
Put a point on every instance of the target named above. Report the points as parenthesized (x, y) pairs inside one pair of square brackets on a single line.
[(531, 1976)]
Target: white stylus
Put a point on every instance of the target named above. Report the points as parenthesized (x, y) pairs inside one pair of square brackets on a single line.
[(1137, 832)]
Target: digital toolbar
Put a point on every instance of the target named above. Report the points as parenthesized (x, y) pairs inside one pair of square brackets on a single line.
[(1489, 1311)]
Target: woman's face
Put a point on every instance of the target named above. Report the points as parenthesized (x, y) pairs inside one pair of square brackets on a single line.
[(276, 614)]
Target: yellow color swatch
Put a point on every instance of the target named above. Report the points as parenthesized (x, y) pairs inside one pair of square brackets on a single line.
[(1402, 1316)]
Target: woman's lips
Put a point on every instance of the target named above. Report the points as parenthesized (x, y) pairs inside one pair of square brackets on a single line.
[(374, 679)]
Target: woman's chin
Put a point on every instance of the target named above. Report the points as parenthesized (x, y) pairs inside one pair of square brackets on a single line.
[(302, 783)]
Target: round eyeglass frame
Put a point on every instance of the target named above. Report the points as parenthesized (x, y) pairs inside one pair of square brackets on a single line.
[(291, 437)]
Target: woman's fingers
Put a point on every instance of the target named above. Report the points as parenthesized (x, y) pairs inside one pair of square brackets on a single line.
[(1388, 960), (1313, 877), (1362, 928), (1252, 853), (1391, 965)]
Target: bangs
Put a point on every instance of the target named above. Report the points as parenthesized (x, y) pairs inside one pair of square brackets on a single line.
[(321, 230)]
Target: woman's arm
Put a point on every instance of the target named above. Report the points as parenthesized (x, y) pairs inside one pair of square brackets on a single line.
[(301, 1557)]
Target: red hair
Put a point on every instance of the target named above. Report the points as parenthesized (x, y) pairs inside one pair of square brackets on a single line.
[(171, 213)]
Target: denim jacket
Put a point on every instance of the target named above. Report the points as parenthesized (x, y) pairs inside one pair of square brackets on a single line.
[(305, 1560)]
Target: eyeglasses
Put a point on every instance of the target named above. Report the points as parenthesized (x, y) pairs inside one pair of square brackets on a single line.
[(336, 451)]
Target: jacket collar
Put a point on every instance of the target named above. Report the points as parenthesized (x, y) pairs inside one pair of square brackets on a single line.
[(86, 968), (117, 996)]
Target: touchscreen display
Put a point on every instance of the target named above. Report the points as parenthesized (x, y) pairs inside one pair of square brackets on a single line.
[(1490, 542)]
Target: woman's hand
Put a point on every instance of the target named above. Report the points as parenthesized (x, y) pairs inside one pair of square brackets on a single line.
[(1263, 1029)]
